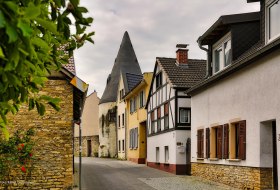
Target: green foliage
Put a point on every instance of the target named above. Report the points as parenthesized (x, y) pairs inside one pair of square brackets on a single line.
[(16, 157), (31, 33)]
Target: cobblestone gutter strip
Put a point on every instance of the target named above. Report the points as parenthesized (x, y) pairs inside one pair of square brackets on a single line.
[(183, 183)]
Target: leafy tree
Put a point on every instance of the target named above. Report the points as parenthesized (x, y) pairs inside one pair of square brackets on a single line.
[(31, 33)]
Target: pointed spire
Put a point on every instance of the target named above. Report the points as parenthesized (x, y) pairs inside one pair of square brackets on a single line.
[(126, 62)]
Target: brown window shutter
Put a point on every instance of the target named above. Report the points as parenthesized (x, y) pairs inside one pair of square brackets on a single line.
[(242, 140), (226, 141), (152, 115), (219, 141), (200, 143), (207, 143), (158, 113), (166, 111)]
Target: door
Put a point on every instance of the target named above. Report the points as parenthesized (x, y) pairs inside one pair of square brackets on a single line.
[(188, 156), (89, 152), (275, 173)]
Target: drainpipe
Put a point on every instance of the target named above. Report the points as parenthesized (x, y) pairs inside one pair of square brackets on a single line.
[(208, 58)]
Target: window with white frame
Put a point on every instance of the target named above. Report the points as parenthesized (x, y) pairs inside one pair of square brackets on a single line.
[(157, 154), (133, 140), (141, 99), (166, 115), (222, 54), (158, 80), (185, 115), (166, 154), (272, 19), (132, 105)]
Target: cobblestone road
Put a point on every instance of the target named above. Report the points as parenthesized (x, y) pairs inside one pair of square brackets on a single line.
[(111, 174)]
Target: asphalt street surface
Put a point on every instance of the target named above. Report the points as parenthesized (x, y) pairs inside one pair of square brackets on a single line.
[(112, 174)]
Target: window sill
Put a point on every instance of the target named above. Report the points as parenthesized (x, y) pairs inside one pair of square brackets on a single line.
[(234, 160), (200, 159), (214, 159)]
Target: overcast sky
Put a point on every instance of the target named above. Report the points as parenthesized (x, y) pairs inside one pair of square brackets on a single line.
[(154, 27)]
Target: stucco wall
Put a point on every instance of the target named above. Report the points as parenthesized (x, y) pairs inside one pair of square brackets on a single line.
[(169, 139), (89, 117), (107, 131), (121, 131), (251, 94)]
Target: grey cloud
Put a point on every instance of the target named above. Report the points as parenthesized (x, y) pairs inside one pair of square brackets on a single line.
[(154, 26)]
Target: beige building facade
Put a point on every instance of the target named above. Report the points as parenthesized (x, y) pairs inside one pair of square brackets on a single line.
[(89, 127)]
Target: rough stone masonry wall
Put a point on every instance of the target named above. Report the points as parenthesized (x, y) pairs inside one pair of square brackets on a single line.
[(53, 150), (235, 176), (94, 145)]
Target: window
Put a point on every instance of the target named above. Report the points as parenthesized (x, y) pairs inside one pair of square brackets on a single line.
[(142, 99), (133, 140), (200, 143), (153, 121), (123, 119), (216, 141), (166, 116), (158, 119), (222, 54), (119, 121), (121, 94), (185, 115), (217, 145), (157, 154), (119, 142), (238, 140), (158, 80), (132, 105), (273, 15), (166, 154), (123, 145)]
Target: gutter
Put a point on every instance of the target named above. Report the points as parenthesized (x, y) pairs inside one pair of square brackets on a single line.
[(208, 57)]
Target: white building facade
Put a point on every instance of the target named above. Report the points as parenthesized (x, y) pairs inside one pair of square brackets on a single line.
[(236, 115)]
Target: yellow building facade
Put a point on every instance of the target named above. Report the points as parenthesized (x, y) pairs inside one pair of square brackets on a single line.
[(136, 120)]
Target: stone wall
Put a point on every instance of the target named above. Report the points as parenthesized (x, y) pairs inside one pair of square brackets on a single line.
[(94, 146), (53, 150), (235, 176)]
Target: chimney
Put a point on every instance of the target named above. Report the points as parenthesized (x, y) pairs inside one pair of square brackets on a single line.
[(182, 53)]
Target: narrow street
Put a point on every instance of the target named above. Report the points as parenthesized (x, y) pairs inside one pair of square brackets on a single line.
[(111, 174)]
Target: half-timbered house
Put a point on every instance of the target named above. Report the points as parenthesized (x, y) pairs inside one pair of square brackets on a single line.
[(169, 111)]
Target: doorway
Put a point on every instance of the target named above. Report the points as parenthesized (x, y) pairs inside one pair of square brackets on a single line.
[(275, 172), (268, 151), (89, 149), (188, 157)]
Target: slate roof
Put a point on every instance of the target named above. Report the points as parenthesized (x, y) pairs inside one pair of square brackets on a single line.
[(184, 76), (132, 80), (223, 23), (126, 62), (257, 52)]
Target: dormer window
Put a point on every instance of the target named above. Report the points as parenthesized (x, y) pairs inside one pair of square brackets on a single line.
[(272, 19), (222, 53)]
